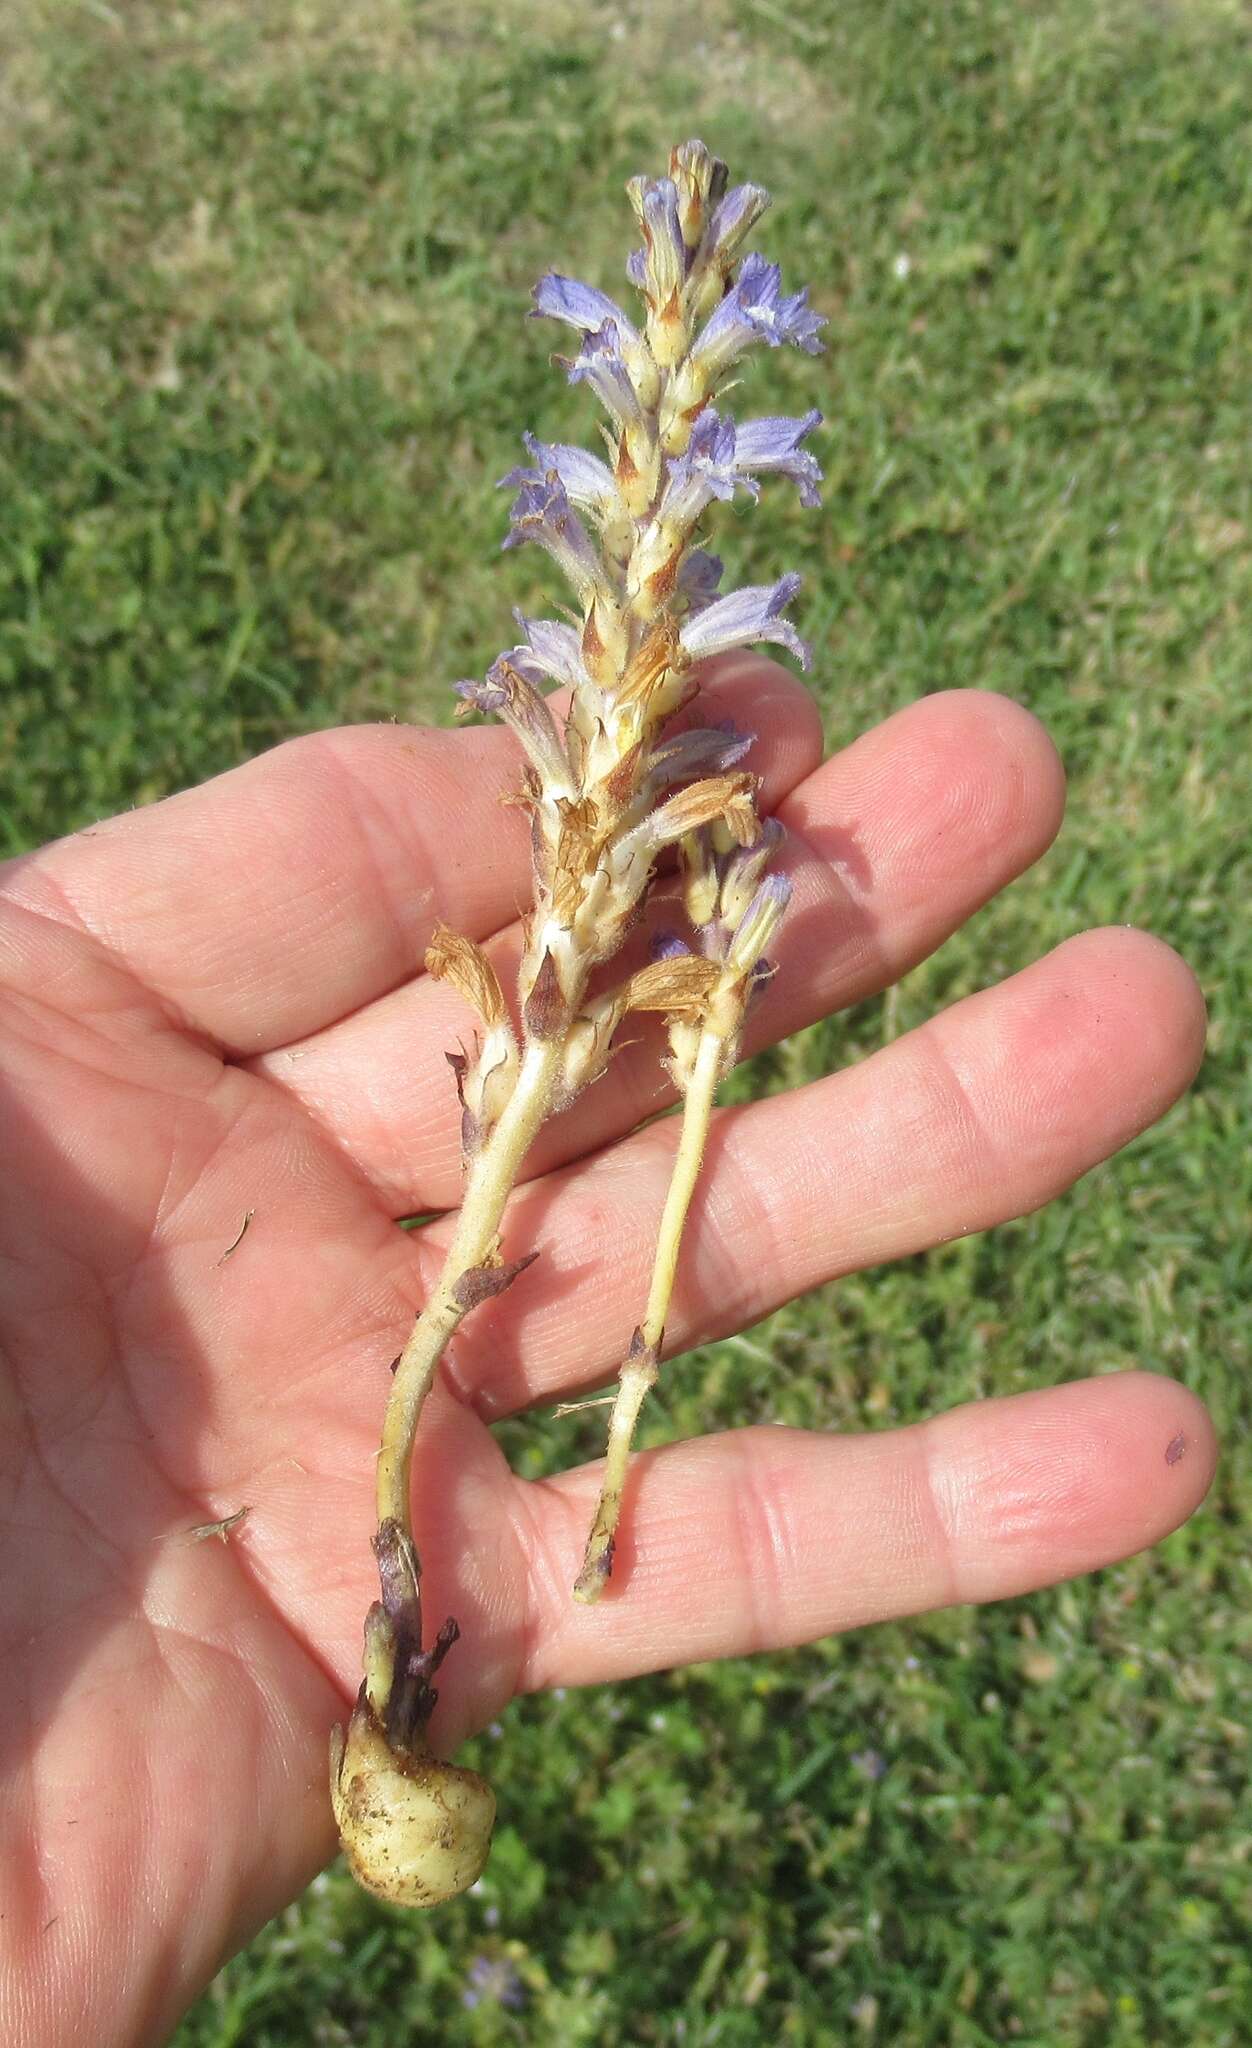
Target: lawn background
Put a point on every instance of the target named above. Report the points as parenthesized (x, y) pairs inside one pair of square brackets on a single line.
[(262, 272)]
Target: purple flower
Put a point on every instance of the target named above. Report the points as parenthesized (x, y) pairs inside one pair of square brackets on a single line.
[(556, 649), (743, 617), (734, 218), (772, 447), (660, 268), (722, 455), (699, 577), (759, 922), (601, 364), (702, 750), (667, 252), (709, 469), (667, 945), (496, 1979), (690, 219), (493, 694), (542, 512), (755, 310), (870, 1764), (586, 480), (511, 691), (740, 871), (580, 305)]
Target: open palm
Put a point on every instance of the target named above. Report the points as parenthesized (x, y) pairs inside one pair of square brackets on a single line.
[(210, 1012)]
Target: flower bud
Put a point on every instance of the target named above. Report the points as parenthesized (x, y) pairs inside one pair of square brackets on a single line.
[(685, 397), (700, 179), (700, 879), (643, 372), (585, 1054), (654, 565), (743, 872), (638, 474), (605, 642), (759, 923), (668, 337)]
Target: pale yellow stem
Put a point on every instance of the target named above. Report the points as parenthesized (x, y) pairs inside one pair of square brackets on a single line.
[(490, 1183), (640, 1369)]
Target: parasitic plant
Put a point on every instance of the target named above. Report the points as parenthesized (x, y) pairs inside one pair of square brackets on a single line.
[(611, 792)]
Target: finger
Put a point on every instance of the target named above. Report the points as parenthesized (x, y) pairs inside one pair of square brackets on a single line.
[(761, 1538), (984, 1113), (285, 894), (892, 845)]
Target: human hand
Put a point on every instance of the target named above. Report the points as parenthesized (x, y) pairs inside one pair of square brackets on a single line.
[(211, 1010)]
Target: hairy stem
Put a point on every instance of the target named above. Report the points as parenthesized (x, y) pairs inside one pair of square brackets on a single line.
[(639, 1371)]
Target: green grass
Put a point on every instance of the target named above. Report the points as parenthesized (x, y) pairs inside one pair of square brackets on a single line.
[(261, 359)]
